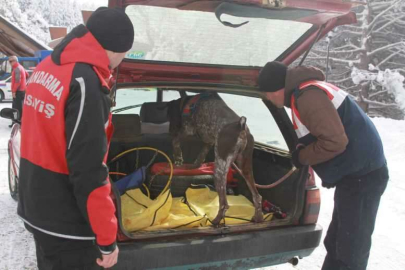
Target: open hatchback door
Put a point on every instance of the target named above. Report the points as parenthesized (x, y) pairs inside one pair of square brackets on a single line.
[(243, 34), (186, 47)]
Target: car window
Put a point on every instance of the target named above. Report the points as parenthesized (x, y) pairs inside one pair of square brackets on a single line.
[(260, 121), (133, 96), (167, 34), (170, 95), (5, 66)]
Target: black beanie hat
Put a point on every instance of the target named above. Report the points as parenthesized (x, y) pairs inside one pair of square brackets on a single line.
[(272, 77), (112, 28)]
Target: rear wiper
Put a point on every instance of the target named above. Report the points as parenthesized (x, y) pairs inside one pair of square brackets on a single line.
[(225, 8), (126, 108)]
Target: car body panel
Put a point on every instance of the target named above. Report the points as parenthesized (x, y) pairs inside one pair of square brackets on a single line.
[(15, 142), (237, 251), (5, 87)]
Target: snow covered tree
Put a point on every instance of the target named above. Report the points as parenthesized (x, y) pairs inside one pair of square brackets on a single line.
[(35, 16), (28, 20), (361, 58)]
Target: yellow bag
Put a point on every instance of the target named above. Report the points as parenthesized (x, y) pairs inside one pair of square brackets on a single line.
[(141, 213), (203, 201), (180, 217)]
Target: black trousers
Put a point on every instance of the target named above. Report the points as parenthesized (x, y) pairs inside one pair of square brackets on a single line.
[(348, 240), (18, 101), (55, 253)]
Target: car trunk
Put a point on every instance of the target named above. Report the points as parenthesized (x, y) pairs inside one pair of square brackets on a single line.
[(151, 63), (269, 164)]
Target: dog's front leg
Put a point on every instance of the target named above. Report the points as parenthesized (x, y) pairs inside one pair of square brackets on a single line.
[(202, 155), (177, 154)]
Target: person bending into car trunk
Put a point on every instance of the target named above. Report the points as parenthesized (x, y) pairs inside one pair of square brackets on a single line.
[(342, 145), (64, 192), (18, 84)]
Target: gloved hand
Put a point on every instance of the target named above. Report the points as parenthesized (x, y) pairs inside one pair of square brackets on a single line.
[(295, 156)]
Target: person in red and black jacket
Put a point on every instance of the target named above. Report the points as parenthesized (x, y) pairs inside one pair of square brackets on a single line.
[(18, 83), (64, 192)]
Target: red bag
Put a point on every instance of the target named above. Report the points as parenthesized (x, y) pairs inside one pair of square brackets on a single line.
[(163, 168)]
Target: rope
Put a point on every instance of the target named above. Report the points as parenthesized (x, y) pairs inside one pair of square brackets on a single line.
[(152, 149), (279, 181)]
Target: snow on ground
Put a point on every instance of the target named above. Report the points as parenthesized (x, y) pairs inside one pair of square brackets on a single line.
[(17, 251), (388, 248)]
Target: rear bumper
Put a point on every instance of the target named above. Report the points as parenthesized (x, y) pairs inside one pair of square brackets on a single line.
[(241, 251)]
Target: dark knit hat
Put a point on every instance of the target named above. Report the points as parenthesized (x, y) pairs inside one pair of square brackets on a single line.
[(112, 28), (272, 77)]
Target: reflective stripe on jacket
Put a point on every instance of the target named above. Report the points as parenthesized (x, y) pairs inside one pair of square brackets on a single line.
[(364, 151)]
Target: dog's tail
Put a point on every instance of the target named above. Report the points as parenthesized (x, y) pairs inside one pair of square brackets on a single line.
[(242, 123), (243, 133)]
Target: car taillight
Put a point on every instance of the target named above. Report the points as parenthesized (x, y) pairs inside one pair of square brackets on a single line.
[(312, 200)]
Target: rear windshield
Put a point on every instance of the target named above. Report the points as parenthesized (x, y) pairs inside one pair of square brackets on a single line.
[(165, 34), (261, 123)]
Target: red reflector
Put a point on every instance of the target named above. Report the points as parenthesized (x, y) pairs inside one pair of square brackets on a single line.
[(312, 206)]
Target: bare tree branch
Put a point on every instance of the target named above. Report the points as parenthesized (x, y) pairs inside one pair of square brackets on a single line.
[(341, 81), (389, 23), (356, 87), (397, 64), (380, 104), (376, 18), (342, 74), (341, 52), (335, 60), (350, 33), (386, 47), (378, 93), (346, 46), (380, 6), (386, 59)]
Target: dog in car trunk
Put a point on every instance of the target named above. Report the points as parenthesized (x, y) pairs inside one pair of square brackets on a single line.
[(207, 116)]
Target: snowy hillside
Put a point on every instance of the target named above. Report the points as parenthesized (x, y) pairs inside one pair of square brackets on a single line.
[(35, 16)]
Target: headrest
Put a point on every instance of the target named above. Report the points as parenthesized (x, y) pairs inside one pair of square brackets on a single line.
[(126, 127), (154, 112)]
